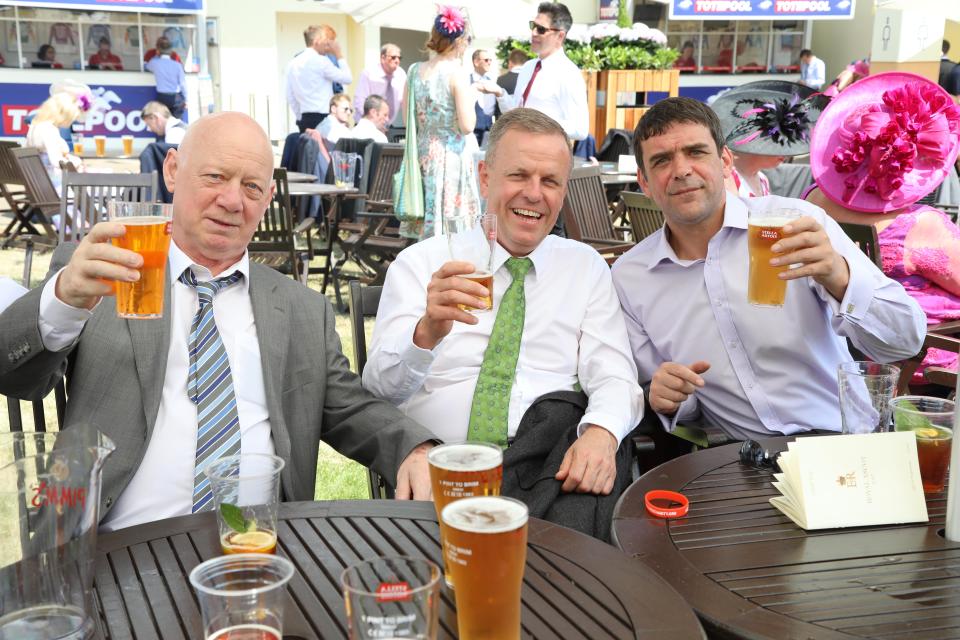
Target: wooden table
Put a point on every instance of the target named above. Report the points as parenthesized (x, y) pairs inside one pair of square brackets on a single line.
[(296, 176), (319, 189), (574, 586), (750, 572)]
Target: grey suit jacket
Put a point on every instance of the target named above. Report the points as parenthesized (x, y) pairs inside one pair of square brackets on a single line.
[(116, 371)]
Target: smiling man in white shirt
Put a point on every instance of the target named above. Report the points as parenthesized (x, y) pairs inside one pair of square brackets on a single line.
[(550, 83), (428, 355), (311, 74)]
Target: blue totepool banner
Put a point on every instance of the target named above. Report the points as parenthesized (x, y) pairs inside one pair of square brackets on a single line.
[(761, 9), (116, 109), (149, 6)]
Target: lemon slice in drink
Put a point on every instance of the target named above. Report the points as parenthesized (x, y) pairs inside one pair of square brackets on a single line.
[(253, 540), (926, 432)]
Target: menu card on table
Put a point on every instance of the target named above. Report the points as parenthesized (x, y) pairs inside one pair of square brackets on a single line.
[(851, 481)]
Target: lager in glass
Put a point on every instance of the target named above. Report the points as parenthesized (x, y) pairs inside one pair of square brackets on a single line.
[(486, 549), (484, 280), (101, 144), (127, 145), (765, 230), (148, 233)]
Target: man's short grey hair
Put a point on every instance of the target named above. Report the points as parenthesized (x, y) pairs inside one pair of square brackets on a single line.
[(154, 108), (386, 47), (310, 34), (560, 17), (477, 54), (528, 121), (372, 103)]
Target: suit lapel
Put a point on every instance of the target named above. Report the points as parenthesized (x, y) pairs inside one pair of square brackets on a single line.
[(151, 342)]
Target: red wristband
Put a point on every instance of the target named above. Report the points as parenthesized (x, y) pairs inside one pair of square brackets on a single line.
[(677, 509)]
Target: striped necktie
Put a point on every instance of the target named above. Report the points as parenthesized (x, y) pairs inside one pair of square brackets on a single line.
[(491, 398), (210, 387)]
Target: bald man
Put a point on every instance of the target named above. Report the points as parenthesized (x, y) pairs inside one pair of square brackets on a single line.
[(284, 377)]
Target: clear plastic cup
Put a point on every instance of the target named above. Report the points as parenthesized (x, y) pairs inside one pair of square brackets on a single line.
[(866, 389), (246, 495), (392, 597)]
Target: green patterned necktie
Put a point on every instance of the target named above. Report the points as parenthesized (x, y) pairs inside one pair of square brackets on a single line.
[(491, 399)]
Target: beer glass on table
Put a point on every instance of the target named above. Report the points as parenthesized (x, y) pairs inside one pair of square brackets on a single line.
[(77, 143), (148, 233), (246, 496), (866, 390), (463, 470), (765, 229), (127, 145), (486, 550), (473, 239), (241, 596), (392, 597), (100, 142), (931, 421)]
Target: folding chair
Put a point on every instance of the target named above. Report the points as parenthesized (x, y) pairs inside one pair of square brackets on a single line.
[(586, 214), (42, 201), (276, 242), (643, 213)]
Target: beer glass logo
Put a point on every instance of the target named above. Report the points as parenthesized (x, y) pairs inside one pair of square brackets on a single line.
[(58, 496), (770, 234), (393, 592)]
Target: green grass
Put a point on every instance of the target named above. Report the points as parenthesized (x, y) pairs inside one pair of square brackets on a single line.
[(337, 477)]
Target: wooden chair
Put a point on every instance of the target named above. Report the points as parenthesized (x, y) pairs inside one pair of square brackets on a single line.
[(865, 237), (35, 226), (644, 214), (16, 418), (276, 242), (84, 198), (12, 187), (586, 214), (364, 302)]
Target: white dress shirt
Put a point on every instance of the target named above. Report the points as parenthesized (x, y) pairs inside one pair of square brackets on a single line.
[(162, 487), (558, 91), (373, 81), (814, 73), (365, 129), (772, 369), (332, 130), (573, 332), (486, 101), (310, 78), (174, 131)]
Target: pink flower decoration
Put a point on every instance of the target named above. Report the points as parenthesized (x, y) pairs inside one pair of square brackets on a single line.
[(450, 21)]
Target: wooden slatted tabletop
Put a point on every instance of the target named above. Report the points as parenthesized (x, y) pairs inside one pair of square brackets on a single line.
[(574, 586), (750, 572)]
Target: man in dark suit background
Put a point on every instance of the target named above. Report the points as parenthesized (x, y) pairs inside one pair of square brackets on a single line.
[(508, 79), (289, 383)]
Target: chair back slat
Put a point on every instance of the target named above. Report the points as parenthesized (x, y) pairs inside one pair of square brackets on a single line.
[(644, 214), (84, 198), (36, 179), (389, 157), (274, 236), (865, 237), (38, 412), (586, 206), (10, 173)]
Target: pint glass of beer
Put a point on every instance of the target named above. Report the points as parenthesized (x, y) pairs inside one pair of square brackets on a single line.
[(100, 142), (486, 549), (148, 233), (473, 239), (463, 470), (77, 143), (127, 145), (766, 229)]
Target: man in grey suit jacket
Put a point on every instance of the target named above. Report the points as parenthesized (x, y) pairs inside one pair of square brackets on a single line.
[(127, 378)]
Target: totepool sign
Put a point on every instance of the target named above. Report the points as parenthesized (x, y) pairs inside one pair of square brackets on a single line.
[(761, 9), (116, 109)]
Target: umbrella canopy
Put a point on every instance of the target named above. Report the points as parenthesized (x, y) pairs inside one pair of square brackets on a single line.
[(487, 18)]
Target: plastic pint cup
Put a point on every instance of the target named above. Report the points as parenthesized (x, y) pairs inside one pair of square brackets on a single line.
[(100, 143), (148, 233), (765, 229), (127, 145)]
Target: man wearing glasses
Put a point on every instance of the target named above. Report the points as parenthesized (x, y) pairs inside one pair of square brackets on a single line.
[(386, 79), (482, 61), (549, 83)]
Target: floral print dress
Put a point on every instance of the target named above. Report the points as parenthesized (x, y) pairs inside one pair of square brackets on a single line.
[(446, 154)]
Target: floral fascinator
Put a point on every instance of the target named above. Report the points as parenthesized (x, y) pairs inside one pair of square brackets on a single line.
[(450, 22), (885, 142), (769, 117)]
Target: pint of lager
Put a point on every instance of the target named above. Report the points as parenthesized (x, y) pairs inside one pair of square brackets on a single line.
[(473, 239), (765, 230), (486, 549), (127, 145), (463, 470), (486, 280), (148, 233), (101, 145)]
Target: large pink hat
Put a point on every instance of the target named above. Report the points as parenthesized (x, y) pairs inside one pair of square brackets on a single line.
[(885, 142)]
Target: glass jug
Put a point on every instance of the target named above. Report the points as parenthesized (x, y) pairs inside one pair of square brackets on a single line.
[(49, 510), (345, 168)]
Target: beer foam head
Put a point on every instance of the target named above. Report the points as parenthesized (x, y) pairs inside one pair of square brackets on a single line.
[(771, 221), (485, 514), (465, 456)]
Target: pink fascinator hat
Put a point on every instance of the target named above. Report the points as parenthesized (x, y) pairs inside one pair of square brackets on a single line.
[(885, 142)]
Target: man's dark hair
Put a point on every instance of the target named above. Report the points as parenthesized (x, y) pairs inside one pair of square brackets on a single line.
[(945, 47), (669, 112), (518, 57), (104, 41), (477, 54), (372, 103), (805, 52), (560, 17)]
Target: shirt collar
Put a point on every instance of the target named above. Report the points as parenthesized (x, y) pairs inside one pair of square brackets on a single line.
[(734, 217), (539, 256), (554, 58), (179, 261)]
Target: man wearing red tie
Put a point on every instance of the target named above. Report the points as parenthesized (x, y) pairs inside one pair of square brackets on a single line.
[(549, 83)]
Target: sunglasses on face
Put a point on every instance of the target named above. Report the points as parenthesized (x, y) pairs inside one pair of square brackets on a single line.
[(397, 58), (486, 59), (540, 29)]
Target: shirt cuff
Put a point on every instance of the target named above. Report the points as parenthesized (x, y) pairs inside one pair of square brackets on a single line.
[(856, 299), (605, 420), (417, 359), (686, 411), (59, 323)]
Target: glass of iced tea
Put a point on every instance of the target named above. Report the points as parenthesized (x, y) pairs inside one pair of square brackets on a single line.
[(765, 229), (246, 496), (463, 470), (241, 596), (486, 549), (148, 233), (392, 597), (473, 239), (931, 420)]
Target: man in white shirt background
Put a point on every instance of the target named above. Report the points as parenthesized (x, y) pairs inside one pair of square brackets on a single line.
[(158, 119), (311, 74), (813, 71), (549, 83), (385, 79), (374, 122), (707, 353), (434, 360), (337, 125), (486, 103)]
